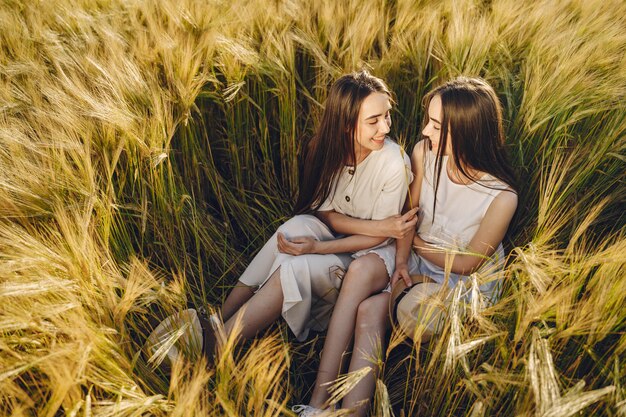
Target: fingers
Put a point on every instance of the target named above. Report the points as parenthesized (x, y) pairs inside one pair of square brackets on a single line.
[(294, 247), (406, 227), (394, 278), (299, 240), (407, 279), (410, 214), (280, 240), (409, 225), (285, 246), (406, 223), (401, 273)]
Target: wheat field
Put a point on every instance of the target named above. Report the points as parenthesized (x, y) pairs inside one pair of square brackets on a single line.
[(149, 147)]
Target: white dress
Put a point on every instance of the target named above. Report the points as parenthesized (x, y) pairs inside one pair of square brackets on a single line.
[(376, 189), (460, 210)]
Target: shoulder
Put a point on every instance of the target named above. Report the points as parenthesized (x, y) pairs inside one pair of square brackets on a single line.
[(505, 201), (419, 152), (496, 187), (501, 211), (390, 149)]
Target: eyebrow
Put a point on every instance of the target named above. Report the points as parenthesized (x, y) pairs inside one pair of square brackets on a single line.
[(434, 120), (377, 115)]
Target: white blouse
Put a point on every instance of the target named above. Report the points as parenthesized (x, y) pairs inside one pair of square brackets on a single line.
[(457, 217), (376, 188)]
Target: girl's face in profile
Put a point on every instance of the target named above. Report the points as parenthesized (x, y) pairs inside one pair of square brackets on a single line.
[(373, 124), (432, 130)]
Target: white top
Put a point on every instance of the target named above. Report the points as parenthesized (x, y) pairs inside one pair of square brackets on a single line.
[(459, 212), (376, 189)]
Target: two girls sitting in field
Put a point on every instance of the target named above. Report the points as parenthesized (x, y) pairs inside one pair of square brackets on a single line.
[(350, 218)]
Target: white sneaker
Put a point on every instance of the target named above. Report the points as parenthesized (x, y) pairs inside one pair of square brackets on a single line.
[(306, 410)]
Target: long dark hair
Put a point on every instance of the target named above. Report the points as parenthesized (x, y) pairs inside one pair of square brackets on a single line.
[(472, 113), (332, 146)]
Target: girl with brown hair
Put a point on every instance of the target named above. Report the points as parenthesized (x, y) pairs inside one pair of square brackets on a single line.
[(465, 188), (351, 168)]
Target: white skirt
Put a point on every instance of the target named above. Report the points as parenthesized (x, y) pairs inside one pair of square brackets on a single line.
[(310, 283)]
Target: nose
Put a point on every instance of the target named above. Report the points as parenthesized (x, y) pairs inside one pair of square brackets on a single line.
[(383, 126), (426, 131)]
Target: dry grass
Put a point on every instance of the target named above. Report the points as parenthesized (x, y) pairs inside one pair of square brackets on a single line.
[(148, 148)]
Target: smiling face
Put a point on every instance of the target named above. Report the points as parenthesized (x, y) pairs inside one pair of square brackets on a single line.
[(432, 130), (373, 124)]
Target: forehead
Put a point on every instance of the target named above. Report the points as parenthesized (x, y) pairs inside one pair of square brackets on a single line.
[(375, 103), (434, 107)]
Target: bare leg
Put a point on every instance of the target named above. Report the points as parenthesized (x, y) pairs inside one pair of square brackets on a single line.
[(236, 298), (366, 276), (371, 325), (261, 310)]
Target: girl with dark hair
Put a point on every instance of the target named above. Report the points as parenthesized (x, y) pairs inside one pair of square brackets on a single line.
[(351, 168), (465, 188)]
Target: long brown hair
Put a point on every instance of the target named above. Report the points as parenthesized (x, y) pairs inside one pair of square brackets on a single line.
[(472, 113), (332, 146)]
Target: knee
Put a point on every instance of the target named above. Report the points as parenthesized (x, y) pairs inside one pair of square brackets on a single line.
[(372, 314), (297, 226), (364, 272)]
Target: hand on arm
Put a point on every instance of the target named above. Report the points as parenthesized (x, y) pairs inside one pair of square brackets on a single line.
[(403, 250), (396, 226), (490, 233), (403, 245), (385, 205)]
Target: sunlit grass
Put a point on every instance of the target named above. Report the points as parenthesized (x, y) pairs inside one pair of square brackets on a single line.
[(149, 148)]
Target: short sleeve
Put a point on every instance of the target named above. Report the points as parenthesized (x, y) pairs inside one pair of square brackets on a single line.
[(394, 190)]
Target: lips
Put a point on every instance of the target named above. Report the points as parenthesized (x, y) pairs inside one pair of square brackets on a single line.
[(378, 140)]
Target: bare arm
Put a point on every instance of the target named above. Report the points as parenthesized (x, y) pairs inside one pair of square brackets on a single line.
[(306, 244), (484, 243), (403, 245), (396, 226), (385, 209)]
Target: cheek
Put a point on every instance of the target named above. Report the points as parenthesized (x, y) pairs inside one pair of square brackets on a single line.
[(367, 131)]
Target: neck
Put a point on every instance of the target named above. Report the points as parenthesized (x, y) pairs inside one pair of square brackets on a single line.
[(361, 154), (457, 176)]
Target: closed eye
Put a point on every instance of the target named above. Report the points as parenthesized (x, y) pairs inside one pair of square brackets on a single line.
[(387, 116)]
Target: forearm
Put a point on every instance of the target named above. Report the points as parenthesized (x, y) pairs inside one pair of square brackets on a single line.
[(351, 243), (403, 249), (462, 263), (343, 224)]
